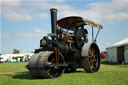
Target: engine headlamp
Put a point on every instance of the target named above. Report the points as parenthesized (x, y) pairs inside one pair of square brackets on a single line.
[(43, 42)]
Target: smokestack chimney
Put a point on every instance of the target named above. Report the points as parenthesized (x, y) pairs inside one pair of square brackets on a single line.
[(53, 21)]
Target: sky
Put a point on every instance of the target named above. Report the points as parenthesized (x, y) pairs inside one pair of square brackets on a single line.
[(24, 22)]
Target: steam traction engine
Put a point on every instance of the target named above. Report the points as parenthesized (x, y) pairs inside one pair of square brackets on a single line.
[(65, 49)]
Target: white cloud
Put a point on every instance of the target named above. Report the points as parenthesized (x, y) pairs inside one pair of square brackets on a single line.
[(60, 0), (30, 34), (14, 10), (18, 17), (10, 3), (110, 12), (4, 36), (10, 8), (37, 30), (43, 15)]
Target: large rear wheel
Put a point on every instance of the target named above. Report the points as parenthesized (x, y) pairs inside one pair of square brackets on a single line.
[(91, 59)]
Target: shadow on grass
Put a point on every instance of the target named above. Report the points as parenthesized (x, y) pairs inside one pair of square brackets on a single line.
[(109, 63), (27, 75), (22, 75), (79, 71)]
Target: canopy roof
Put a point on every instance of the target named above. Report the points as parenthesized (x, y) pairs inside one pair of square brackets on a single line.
[(72, 22), (120, 43)]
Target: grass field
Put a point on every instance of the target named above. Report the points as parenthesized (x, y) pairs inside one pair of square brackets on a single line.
[(17, 74)]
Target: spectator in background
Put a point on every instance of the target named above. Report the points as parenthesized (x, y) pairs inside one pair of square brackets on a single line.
[(18, 59)]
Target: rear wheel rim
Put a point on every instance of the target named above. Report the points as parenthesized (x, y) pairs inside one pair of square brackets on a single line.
[(93, 59), (91, 63)]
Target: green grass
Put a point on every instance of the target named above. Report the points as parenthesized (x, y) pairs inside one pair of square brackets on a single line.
[(17, 74)]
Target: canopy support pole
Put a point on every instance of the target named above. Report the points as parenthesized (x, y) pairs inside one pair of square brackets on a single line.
[(97, 34), (92, 34)]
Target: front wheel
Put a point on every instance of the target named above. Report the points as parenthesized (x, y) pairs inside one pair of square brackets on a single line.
[(37, 65)]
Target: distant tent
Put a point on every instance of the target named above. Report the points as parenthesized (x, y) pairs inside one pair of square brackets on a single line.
[(16, 57), (118, 52)]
